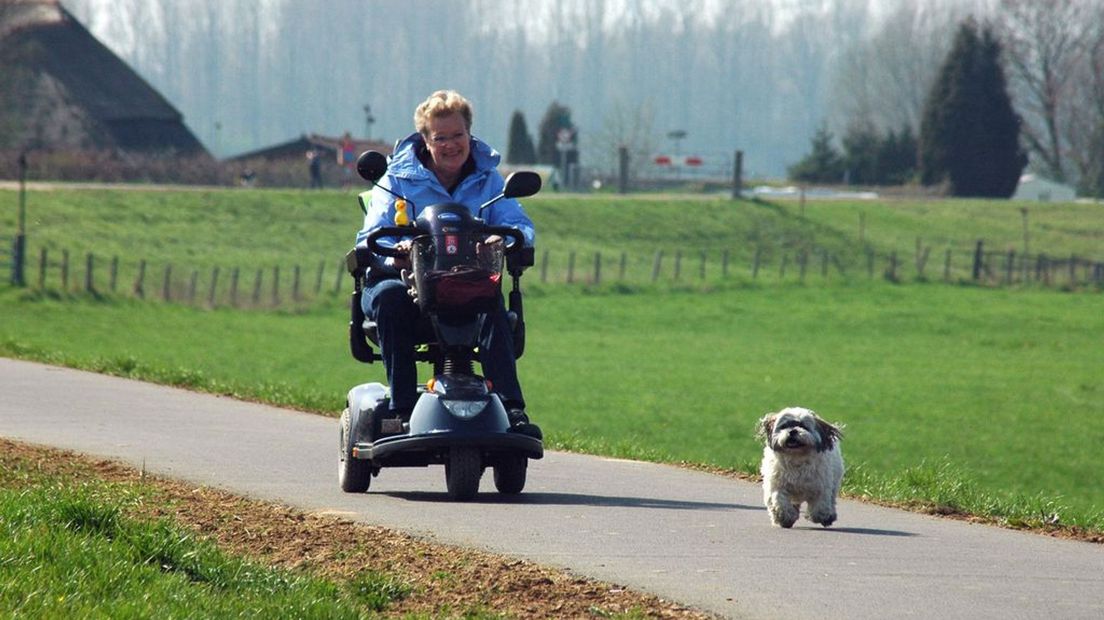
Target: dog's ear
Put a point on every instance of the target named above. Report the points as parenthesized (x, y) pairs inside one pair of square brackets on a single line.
[(765, 427), (829, 435)]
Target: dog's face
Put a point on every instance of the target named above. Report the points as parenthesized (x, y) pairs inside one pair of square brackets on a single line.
[(797, 430)]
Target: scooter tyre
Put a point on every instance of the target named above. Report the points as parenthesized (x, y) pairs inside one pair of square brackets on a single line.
[(509, 475), (354, 475), (462, 473)]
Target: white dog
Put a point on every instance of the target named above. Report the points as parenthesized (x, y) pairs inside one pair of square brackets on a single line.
[(801, 463)]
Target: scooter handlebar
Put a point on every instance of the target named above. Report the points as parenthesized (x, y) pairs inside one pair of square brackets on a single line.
[(507, 231), (389, 231), (406, 231)]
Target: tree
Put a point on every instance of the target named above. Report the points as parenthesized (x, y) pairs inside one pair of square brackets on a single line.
[(896, 159), (556, 117), (520, 149), (969, 134), (823, 165), (860, 154), (1044, 42)]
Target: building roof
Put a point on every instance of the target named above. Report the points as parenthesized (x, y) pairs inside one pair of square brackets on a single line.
[(298, 146), (53, 45)]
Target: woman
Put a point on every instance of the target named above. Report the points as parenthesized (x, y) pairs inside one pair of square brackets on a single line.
[(440, 162)]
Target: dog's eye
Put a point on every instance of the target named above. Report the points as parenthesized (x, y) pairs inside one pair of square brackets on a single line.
[(787, 424)]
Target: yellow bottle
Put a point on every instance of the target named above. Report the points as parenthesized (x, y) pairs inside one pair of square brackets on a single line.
[(401, 219)]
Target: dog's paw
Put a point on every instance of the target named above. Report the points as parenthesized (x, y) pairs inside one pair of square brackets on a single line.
[(824, 518), (784, 518)]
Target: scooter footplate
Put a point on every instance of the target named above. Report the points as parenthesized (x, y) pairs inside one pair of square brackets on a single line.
[(432, 448)]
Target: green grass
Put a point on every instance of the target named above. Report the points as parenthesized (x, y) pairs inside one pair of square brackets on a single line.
[(991, 382), (981, 390), (70, 551), (262, 229)]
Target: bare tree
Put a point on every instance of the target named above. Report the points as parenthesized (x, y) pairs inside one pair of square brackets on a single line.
[(1045, 42)]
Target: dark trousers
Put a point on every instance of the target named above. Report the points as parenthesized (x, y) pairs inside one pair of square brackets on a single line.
[(397, 316)]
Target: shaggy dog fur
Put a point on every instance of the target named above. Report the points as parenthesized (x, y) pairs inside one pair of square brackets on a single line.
[(802, 463)]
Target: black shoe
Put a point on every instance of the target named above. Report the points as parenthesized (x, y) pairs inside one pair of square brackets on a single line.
[(519, 423)]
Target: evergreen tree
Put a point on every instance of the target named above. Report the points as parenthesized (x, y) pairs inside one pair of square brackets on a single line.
[(823, 165), (969, 134), (896, 158), (556, 117), (860, 154), (520, 149)]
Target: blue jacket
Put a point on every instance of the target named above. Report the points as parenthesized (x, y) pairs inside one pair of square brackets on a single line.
[(407, 176)]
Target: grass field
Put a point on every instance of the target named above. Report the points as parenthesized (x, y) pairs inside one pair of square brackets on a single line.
[(981, 399), (79, 553)]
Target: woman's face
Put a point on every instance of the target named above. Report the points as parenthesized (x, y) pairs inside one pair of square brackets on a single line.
[(448, 142)]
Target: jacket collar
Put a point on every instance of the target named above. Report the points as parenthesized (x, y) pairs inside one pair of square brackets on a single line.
[(405, 163)]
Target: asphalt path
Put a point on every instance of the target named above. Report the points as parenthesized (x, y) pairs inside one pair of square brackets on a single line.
[(691, 537)]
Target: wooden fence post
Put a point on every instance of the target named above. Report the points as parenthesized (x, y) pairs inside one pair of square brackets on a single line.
[(214, 287), (571, 267), (192, 284), (341, 269), (657, 263), (891, 271), (140, 281), (234, 287), (166, 294), (1009, 265), (295, 284), (89, 279), (257, 282), (621, 267), (276, 285), (755, 261), (979, 256), (922, 261), (114, 272), (678, 263), (544, 267), (42, 269), (598, 267), (318, 282), (65, 270), (782, 267)]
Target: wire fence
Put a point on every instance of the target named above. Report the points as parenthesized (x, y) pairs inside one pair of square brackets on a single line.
[(297, 283), (253, 287), (812, 263)]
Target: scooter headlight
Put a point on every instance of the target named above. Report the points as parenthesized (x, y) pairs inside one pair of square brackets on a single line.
[(464, 409)]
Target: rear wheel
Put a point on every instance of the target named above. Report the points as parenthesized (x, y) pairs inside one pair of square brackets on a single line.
[(462, 473), (354, 475), (509, 475)]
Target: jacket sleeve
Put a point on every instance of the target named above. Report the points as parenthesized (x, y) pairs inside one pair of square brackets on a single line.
[(508, 211), (379, 212)]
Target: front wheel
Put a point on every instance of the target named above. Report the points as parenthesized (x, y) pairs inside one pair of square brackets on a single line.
[(354, 475), (462, 473), (509, 475)]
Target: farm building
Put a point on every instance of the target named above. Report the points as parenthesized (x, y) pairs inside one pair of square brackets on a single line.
[(1036, 188), (60, 88), (328, 147)]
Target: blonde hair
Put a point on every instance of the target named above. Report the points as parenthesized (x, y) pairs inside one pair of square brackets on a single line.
[(442, 103)]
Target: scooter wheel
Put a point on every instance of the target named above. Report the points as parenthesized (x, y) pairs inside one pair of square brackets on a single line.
[(354, 475), (462, 473), (509, 475)]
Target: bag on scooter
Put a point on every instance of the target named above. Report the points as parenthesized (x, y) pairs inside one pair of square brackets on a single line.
[(464, 289)]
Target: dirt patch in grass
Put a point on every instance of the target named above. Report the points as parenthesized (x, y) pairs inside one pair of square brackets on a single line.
[(442, 580)]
